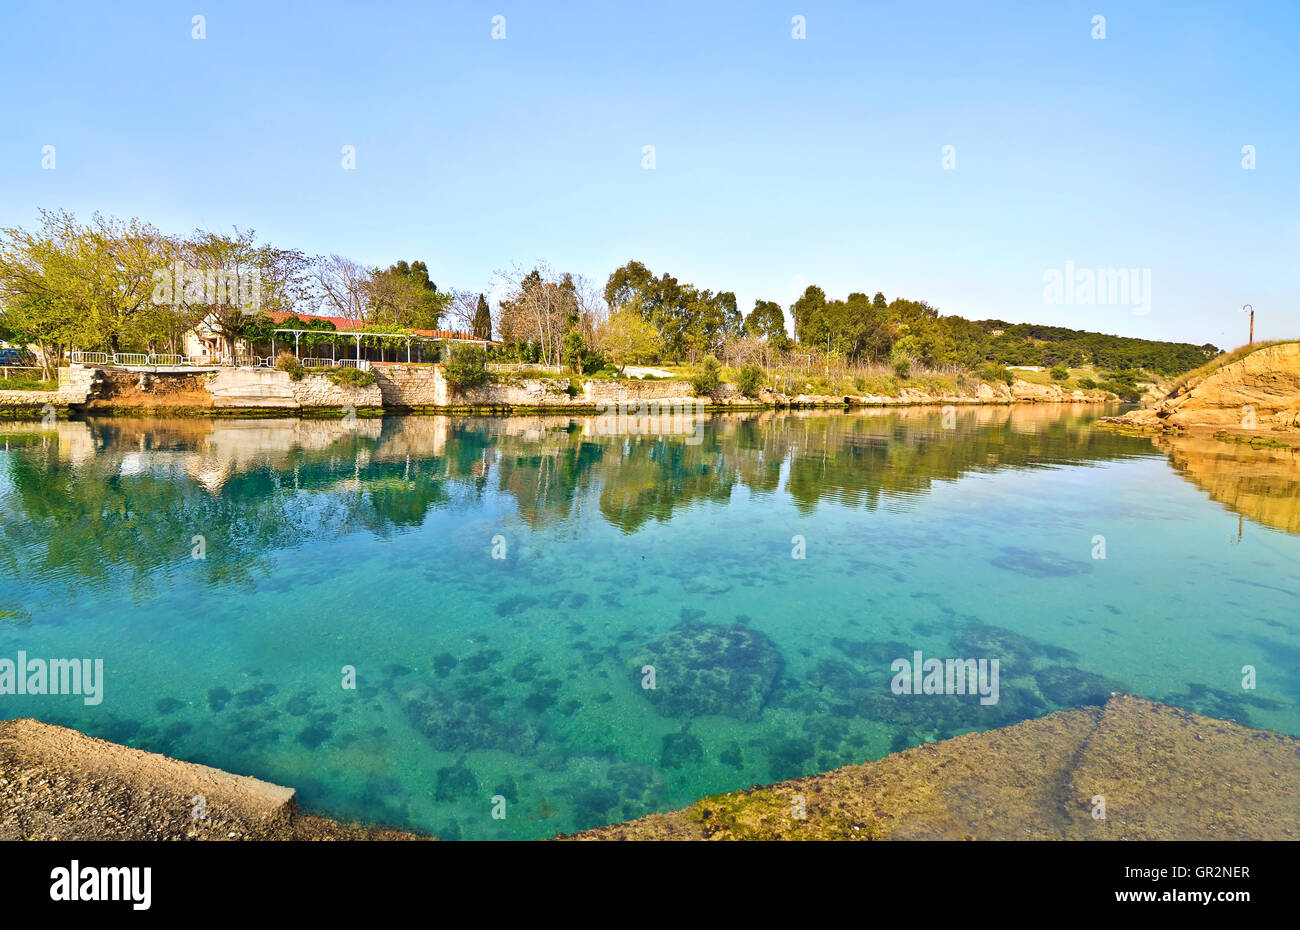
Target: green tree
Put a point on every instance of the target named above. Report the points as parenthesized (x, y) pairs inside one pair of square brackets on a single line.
[(482, 319), (809, 312), (627, 339), (767, 321)]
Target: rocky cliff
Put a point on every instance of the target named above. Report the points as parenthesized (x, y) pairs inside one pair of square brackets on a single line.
[(1257, 392)]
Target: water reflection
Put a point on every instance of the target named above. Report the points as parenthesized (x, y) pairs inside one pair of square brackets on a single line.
[(112, 495), (1262, 484)]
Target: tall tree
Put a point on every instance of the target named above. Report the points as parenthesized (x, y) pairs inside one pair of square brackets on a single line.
[(482, 319)]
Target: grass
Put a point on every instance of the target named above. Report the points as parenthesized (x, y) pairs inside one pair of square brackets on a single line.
[(26, 382)]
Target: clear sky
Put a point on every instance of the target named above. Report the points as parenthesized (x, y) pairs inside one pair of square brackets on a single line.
[(779, 162)]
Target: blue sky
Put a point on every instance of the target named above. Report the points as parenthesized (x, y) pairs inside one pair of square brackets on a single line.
[(778, 162)]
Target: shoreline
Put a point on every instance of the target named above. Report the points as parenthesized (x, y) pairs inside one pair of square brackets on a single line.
[(1158, 767), (29, 412), (406, 389)]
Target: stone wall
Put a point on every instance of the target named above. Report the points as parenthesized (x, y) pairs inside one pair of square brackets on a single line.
[(409, 385), (401, 386), (271, 388), (76, 385)]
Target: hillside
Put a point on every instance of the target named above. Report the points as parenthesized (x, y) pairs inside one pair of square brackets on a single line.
[(1033, 344)]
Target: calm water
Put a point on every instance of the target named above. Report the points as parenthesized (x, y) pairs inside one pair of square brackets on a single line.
[(371, 545)]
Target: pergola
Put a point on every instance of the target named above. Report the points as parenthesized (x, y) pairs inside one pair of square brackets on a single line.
[(359, 335)]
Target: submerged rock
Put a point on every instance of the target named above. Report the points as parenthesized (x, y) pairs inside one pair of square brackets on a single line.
[(1038, 564), (454, 725), (703, 668), (1073, 687)]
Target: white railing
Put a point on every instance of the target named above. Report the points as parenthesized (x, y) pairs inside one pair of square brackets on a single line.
[(90, 358), (166, 359), (363, 364), (130, 358), (317, 362)]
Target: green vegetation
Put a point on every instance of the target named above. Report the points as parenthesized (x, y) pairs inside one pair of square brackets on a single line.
[(350, 377), (707, 377), (18, 380), (749, 380), (125, 286), (993, 372), (467, 367)]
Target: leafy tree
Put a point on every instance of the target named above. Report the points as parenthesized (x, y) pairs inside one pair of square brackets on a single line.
[(767, 321), (689, 321), (809, 312), (403, 295), (626, 339)]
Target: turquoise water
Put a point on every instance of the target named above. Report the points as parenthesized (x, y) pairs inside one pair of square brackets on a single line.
[(370, 544)]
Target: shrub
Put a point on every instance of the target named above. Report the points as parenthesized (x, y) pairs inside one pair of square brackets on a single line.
[(707, 377), (749, 380), (992, 372), (467, 367), (1087, 384), (288, 362), (1059, 372), (350, 377), (900, 357), (1127, 392)]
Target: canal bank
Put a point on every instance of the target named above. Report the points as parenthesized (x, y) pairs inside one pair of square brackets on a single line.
[(1129, 770), (424, 388)]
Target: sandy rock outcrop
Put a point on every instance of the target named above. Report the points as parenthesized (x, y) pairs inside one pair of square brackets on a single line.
[(1258, 392)]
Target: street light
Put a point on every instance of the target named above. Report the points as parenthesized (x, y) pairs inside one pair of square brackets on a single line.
[(1245, 308)]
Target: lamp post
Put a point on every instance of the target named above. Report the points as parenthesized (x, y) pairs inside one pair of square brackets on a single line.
[(1248, 308)]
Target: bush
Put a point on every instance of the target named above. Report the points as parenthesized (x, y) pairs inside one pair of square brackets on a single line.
[(992, 372), (749, 380), (350, 377), (1087, 384), (288, 362), (902, 366), (707, 377), (467, 367), (1127, 392), (1059, 372)]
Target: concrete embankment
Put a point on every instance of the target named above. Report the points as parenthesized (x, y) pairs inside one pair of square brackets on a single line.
[(58, 784), (270, 392)]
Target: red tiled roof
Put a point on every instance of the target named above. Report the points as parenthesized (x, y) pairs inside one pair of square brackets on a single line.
[(343, 325)]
